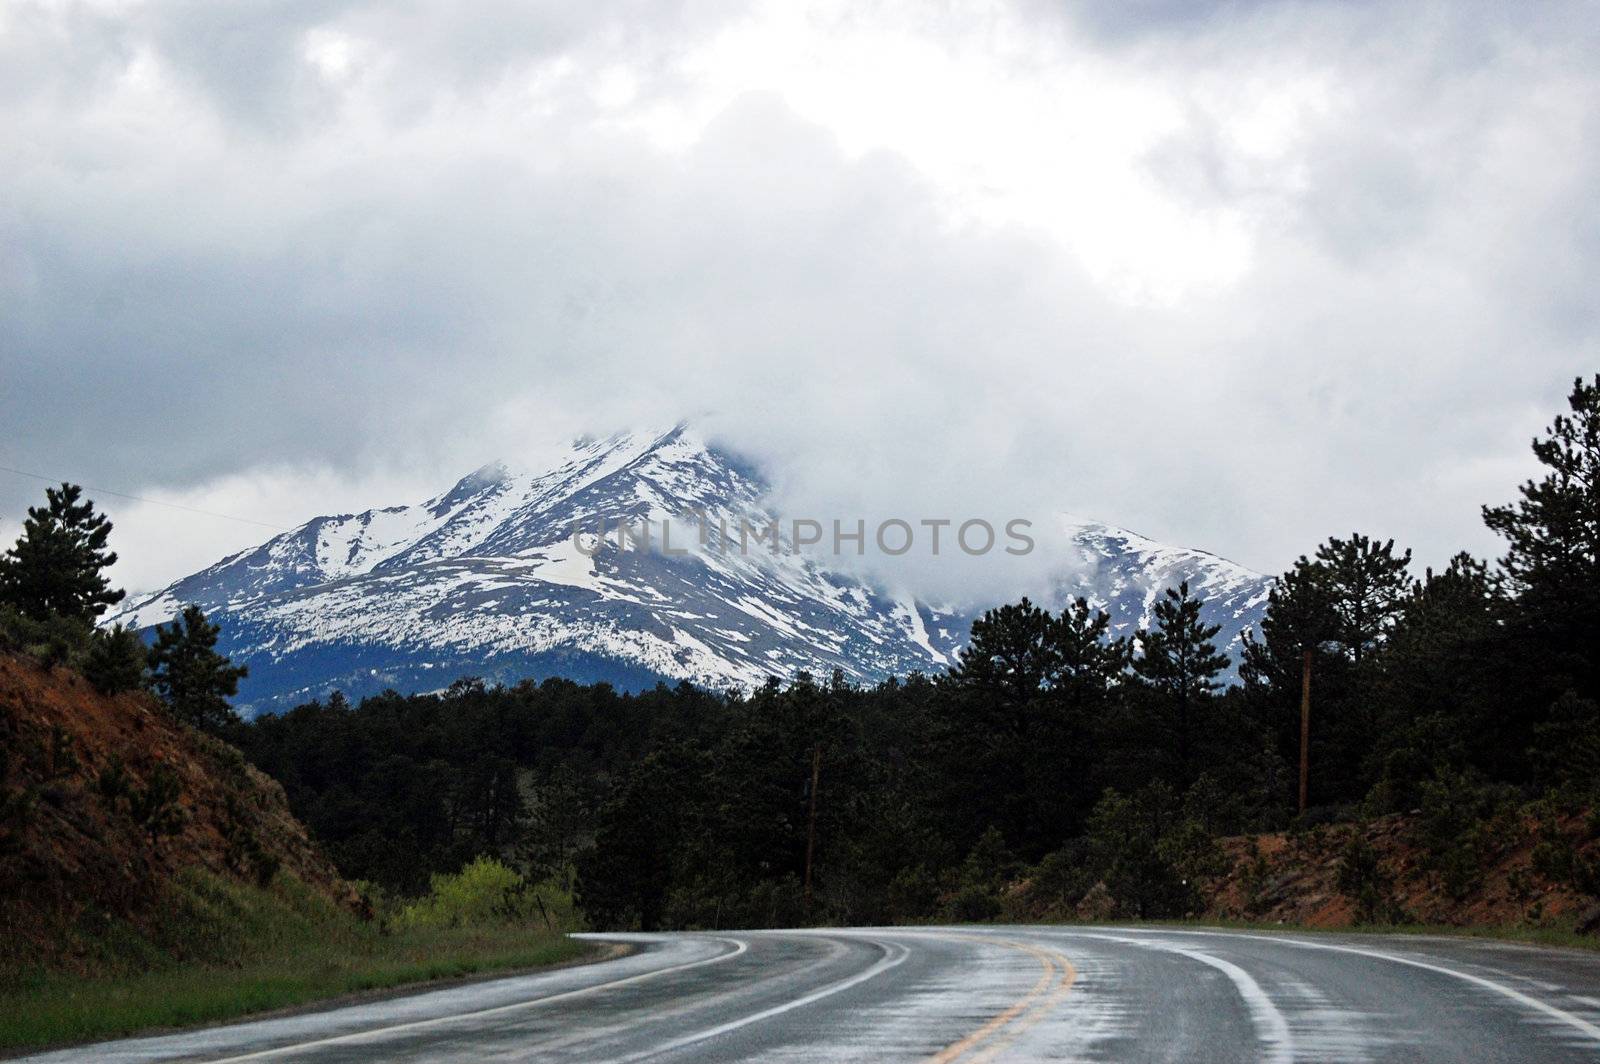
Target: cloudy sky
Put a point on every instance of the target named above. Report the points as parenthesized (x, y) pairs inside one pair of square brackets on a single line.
[(1237, 275)]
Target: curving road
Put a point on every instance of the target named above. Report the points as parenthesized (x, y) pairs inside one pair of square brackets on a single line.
[(966, 994)]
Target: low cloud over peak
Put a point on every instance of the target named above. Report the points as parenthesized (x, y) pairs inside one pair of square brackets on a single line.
[(1236, 282)]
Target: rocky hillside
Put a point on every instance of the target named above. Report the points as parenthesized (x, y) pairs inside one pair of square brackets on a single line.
[(106, 803), (1533, 868)]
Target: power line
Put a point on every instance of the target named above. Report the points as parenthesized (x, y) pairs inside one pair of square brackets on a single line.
[(152, 502)]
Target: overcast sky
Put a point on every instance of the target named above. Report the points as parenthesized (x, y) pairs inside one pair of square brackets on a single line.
[(1235, 275)]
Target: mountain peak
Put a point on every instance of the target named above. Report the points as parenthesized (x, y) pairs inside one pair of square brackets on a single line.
[(488, 474), (486, 580)]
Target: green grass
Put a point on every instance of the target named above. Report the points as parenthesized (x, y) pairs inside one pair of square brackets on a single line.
[(227, 950)]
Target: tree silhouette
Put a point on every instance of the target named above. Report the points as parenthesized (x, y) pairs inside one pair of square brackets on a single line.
[(188, 673), (1180, 664), (57, 566), (1552, 562)]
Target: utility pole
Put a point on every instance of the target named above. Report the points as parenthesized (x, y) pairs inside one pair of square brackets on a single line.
[(1305, 726), (811, 828)]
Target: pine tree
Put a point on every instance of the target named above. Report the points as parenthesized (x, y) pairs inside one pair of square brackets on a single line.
[(57, 566), (1009, 655), (1084, 662), (557, 825), (117, 659), (1552, 564), (624, 879), (1339, 606), (1027, 693), (188, 673), (1297, 619), (1180, 664), (1435, 696), (1346, 598), (1364, 587)]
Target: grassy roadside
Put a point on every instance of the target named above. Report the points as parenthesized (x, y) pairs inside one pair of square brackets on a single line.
[(228, 950)]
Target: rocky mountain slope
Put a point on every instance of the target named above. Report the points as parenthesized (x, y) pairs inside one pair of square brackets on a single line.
[(488, 579)]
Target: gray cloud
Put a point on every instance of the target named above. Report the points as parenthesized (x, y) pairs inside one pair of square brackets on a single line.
[(373, 247)]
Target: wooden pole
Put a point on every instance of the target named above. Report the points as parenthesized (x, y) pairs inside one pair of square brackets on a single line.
[(811, 828), (1305, 727)]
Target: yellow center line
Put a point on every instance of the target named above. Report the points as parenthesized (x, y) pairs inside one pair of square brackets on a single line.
[(1069, 976), (1047, 962)]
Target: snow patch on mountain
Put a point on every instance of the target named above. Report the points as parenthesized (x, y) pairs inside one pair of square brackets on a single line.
[(486, 579)]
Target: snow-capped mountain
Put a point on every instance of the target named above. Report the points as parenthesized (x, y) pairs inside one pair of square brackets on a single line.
[(489, 580)]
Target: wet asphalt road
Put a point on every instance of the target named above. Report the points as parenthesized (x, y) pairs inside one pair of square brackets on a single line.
[(967, 994)]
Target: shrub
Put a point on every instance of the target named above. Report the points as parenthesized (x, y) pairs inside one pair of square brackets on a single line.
[(710, 902), (1557, 858), (16, 806), (155, 807), (52, 640), (1461, 825), (974, 903), (63, 755), (113, 783), (913, 893), (1132, 852), (483, 892), (776, 902), (1062, 878), (243, 851), (1362, 879), (116, 660), (983, 875)]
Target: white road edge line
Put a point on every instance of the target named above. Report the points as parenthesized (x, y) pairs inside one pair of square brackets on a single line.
[(884, 963), (497, 1010), (1526, 1000), (1272, 1030)]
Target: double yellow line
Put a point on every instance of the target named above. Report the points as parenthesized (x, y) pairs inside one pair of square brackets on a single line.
[(1056, 976)]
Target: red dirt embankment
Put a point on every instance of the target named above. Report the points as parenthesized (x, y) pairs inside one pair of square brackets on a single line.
[(1296, 878), (76, 854)]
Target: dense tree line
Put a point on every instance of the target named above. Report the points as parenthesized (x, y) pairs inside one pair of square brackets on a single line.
[(688, 807), (401, 787)]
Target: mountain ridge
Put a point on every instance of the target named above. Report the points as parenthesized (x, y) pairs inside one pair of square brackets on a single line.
[(489, 578)]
